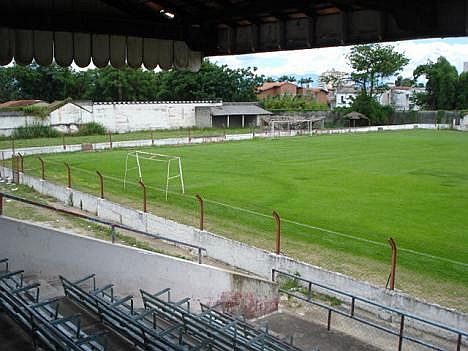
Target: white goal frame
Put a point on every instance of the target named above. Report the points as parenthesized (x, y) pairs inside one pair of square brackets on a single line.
[(142, 155), (273, 124)]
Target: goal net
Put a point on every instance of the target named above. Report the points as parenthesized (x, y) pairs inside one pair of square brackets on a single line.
[(281, 127), (173, 167)]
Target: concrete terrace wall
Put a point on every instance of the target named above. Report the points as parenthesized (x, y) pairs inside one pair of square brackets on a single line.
[(240, 255), (50, 253)]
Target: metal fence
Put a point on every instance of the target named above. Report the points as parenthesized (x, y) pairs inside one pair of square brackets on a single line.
[(303, 289)]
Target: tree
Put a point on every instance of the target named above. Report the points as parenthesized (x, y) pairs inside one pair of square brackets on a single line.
[(404, 82), (333, 79), (441, 86), (212, 82), (286, 78), (462, 95), (373, 64), (371, 108)]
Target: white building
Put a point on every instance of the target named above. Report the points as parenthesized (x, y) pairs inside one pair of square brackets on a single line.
[(342, 96), (122, 117), (400, 98)]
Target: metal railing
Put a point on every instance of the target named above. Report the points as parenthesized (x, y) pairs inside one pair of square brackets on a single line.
[(350, 313), (112, 225)]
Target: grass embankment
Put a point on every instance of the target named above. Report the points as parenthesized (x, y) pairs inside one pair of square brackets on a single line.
[(361, 188)]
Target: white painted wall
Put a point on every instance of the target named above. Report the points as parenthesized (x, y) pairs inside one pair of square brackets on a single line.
[(118, 117), (49, 253), (240, 255)]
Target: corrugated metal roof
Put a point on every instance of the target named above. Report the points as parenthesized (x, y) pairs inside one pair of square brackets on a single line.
[(238, 109)]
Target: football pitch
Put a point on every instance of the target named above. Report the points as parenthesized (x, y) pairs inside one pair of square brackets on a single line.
[(340, 198)]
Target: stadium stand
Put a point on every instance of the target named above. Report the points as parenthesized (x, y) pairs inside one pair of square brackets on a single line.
[(41, 318)]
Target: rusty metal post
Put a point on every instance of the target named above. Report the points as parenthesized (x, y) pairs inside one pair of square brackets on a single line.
[(113, 233), (253, 132), (1, 204), (152, 138), (189, 136), (21, 162), (110, 140), (63, 141), (12, 146), (68, 175), (101, 183), (42, 168), (394, 259), (144, 195), (202, 211), (278, 231)]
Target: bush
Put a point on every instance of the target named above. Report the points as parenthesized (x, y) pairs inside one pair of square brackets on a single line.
[(91, 128), (34, 131), (370, 107), (292, 103)]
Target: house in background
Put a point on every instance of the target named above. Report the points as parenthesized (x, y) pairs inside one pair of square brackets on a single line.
[(342, 96), (400, 98), (271, 89)]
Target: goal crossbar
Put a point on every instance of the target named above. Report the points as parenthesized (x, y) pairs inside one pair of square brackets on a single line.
[(142, 155), (309, 122)]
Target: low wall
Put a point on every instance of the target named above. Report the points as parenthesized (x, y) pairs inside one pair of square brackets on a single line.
[(49, 253), (240, 255)]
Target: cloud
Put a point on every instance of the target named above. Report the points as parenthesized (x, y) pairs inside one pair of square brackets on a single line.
[(319, 60)]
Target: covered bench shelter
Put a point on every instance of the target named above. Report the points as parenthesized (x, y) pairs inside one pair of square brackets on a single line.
[(236, 115)]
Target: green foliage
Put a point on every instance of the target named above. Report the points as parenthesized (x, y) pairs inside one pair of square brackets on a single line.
[(371, 108), (372, 64), (442, 85), (292, 103), (462, 93), (212, 82), (91, 128), (52, 83), (34, 131), (404, 82)]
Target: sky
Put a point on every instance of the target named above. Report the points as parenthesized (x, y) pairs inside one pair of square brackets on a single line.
[(316, 61)]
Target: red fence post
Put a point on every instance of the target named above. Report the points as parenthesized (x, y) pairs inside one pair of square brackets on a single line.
[(68, 175), (144, 195), (394, 259), (101, 183), (278, 231), (42, 168), (202, 211)]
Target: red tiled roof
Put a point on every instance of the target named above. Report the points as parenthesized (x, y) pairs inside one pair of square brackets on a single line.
[(19, 103), (271, 85)]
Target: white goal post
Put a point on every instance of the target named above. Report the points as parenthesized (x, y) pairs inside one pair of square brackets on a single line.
[(275, 123), (142, 155)]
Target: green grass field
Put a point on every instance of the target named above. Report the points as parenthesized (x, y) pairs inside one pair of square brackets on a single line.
[(340, 197)]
